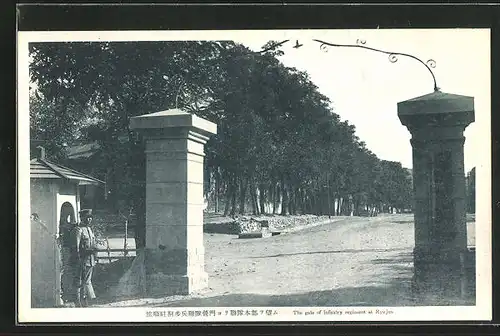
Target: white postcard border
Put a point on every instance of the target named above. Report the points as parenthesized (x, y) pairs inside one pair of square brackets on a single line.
[(482, 310)]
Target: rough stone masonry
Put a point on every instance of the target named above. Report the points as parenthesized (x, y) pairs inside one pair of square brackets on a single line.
[(174, 252), (437, 122)]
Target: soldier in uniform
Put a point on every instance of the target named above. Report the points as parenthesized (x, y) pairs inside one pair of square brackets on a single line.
[(86, 248), (69, 261)]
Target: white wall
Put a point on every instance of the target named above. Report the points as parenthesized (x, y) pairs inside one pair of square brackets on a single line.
[(47, 198), (43, 243)]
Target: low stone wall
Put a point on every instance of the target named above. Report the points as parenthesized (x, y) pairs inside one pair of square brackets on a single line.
[(284, 223), (228, 227), (248, 224)]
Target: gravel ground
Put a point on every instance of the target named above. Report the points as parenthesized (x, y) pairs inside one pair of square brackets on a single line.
[(351, 261), (310, 267)]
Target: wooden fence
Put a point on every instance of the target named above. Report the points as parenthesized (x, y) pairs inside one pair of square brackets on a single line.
[(108, 254)]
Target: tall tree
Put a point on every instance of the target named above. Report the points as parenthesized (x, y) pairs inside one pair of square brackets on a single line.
[(279, 142)]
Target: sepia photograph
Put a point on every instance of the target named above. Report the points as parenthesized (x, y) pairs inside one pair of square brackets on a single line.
[(254, 175)]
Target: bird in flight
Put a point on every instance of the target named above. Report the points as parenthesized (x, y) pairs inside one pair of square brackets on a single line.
[(297, 45)]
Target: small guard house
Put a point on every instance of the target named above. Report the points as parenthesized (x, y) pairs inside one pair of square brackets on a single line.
[(55, 203)]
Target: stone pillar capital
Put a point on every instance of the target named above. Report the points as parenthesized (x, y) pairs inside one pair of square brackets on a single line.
[(426, 143), (173, 123)]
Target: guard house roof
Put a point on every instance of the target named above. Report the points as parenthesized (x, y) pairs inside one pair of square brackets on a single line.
[(44, 169)]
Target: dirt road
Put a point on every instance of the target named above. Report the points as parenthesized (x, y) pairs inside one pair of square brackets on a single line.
[(331, 264), (354, 261)]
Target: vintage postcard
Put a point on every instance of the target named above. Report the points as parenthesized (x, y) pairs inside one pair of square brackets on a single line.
[(257, 175)]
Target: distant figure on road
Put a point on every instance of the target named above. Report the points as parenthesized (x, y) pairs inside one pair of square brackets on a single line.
[(86, 248)]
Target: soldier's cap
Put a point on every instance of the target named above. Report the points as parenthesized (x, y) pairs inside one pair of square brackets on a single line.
[(85, 213)]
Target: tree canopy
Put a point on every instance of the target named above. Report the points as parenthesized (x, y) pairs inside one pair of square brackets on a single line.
[(280, 146)]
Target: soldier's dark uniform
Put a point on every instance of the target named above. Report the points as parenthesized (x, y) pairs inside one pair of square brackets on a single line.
[(85, 244), (69, 262)]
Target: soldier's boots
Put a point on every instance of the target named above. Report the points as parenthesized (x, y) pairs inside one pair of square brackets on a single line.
[(81, 298)]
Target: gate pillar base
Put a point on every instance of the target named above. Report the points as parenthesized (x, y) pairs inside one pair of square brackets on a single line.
[(440, 277)]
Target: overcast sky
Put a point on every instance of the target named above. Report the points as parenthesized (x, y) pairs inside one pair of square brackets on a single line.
[(365, 87)]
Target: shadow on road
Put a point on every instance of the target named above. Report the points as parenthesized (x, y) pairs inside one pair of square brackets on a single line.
[(328, 252), (388, 291), (390, 296), (402, 258), (390, 288)]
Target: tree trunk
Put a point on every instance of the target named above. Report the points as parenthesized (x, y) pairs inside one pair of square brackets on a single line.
[(217, 187), (324, 202), (227, 207), (253, 199), (272, 196), (277, 197), (310, 197), (243, 194), (317, 203), (329, 198), (262, 198), (343, 207), (284, 200), (256, 200), (233, 197), (207, 174), (300, 201), (357, 207), (250, 194), (311, 202), (291, 201), (296, 200)]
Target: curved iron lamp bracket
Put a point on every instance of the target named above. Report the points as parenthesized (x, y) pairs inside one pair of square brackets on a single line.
[(393, 56)]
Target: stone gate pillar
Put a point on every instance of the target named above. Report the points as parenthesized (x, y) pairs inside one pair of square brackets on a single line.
[(436, 122), (174, 251)]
